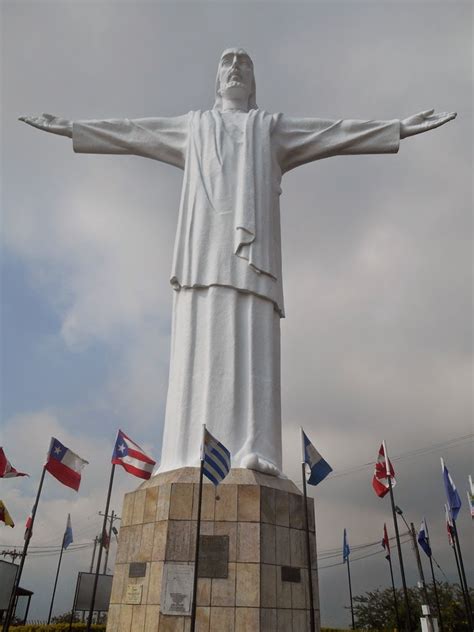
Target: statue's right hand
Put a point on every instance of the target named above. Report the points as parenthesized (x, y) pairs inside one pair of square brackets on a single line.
[(49, 123)]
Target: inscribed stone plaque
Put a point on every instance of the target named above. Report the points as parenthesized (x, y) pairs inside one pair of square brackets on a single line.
[(177, 589), (134, 594), (290, 574), (214, 556), (137, 569)]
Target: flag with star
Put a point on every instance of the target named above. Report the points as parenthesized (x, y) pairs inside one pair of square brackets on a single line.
[(64, 464), (131, 457)]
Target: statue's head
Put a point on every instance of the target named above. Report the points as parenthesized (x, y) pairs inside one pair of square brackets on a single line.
[(235, 78)]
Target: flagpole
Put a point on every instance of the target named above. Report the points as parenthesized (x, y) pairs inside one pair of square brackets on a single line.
[(350, 591), (465, 586), (198, 532), (28, 534), (99, 555), (395, 600), (438, 607), (308, 550), (56, 580)]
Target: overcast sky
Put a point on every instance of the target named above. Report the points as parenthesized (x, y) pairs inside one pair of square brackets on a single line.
[(377, 343)]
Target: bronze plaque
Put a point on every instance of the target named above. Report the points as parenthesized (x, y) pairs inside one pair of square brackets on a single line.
[(213, 556), (290, 574), (137, 569)]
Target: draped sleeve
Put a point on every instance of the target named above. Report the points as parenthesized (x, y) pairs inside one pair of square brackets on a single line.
[(301, 140), (164, 139)]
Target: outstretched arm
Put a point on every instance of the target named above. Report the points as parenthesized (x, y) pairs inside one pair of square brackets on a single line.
[(424, 122), (49, 123)]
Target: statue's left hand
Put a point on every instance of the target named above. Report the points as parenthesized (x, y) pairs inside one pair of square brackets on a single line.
[(423, 122)]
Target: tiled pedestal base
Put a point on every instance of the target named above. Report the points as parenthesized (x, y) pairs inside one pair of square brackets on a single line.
[(264, 519)]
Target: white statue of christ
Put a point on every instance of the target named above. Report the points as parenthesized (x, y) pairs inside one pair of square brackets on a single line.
[(226, 271)]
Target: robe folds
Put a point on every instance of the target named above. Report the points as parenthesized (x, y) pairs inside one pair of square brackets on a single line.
[(226, 270)]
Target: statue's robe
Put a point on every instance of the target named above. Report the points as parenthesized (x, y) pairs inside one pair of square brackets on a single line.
[(225, 343)]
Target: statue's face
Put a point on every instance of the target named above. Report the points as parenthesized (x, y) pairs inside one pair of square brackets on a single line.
[(235, 74)]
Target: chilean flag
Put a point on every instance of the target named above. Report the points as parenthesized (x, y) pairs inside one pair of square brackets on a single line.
[(131, 457), (382, 473), (64, 464)]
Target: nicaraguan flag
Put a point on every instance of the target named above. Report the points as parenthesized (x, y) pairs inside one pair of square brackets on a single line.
[(216, 458), (64, 464), (318, 466), (454, 501), (423, 539), (345, 548), (68, 539)]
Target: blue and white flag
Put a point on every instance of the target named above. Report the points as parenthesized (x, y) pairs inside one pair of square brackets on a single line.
[(454, 501), (423, 538), (345, 548), (318, 466), (68, 539), (216, 458)]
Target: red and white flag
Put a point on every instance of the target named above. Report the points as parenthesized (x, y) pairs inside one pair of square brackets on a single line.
[(383, 470), (64, 464), (386, 542), (131, 457), (6, 468)]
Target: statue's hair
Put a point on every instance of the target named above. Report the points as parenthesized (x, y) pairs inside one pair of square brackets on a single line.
[(252, 103)]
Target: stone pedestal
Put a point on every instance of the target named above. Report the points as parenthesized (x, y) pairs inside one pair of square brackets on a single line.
[(263, 518)]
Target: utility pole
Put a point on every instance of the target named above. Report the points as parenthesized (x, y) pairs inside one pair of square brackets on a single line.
[(113, 517)]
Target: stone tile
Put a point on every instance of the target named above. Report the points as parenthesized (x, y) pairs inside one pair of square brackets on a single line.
[(146, 543), (122, 549), (159, 541), (299, 592), (178, 541), (154, 584), (222, 619), (181, 502), (312, 546), (127, 509), (152, 618), (230, 529), (203, 597), (298, 554), (226, 503), (138, 507), (283, 591), (138, 618), (248, 504), (268, 620), (207, 528), (282, 508), (282, 546), (268, 586), (223, 590), (267, 505), (203, 619), (247, 619), (171, 623), (284, 621), (311, 516), (125, 624), (117, 583), (248, 585), (300, 620), (208, 502), (315, 589), (113, 618), (134, 543), (248, 542), (267, 543), (163, 503), (151, 499), (297, 519)]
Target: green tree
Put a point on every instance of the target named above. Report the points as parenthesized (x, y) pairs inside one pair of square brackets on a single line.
[(375, 610)]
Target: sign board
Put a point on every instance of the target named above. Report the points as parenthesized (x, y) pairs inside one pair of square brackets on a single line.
[(290, 574), (214, 556), (137, 569), (7, 579), (85, 585), (177, 589), (134, 594)]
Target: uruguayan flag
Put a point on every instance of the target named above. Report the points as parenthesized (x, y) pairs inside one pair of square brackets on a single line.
[(319, 467), (216, 458)]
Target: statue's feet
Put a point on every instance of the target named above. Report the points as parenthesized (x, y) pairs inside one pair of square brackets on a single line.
[(257, 462)]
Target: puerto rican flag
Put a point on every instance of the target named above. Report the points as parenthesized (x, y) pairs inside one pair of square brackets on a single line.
[(382, 473), (6, 468), (131, 457), (64, 464)]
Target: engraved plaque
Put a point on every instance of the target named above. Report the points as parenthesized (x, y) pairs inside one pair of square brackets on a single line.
[(134, 594), (137, 569), (177, 589), (290, 574), (214, 556)]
